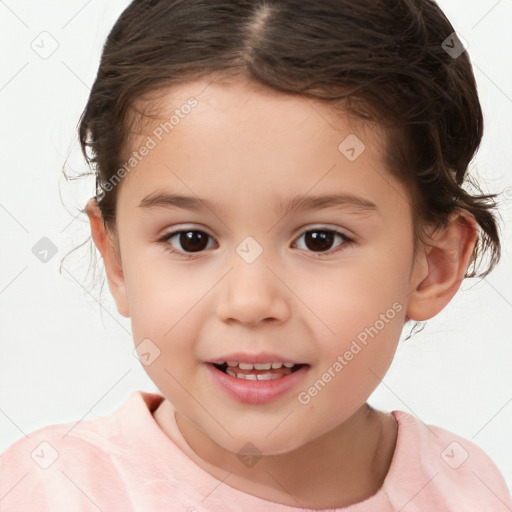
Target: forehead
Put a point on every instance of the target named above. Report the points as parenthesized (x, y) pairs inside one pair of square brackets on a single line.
[(253, 140), (245, 113)]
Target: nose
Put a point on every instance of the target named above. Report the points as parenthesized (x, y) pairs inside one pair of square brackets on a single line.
[(252, 293)]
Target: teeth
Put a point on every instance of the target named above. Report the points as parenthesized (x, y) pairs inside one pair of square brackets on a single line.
[(262, 366), (256, 366), (259, 376), (264, 376)]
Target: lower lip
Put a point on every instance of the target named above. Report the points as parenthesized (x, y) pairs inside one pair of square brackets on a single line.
[(256, 391)]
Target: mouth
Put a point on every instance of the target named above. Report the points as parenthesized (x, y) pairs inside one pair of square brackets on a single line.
[(257, 371), (257, 382)]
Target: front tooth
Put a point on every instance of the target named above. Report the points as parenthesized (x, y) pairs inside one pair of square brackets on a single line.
[(245, 366), (277, 365), (250, 376), (264, 376), (262, 366), (288, 365)]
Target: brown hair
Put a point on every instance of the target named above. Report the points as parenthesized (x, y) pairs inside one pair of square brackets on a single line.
[(385, 61)]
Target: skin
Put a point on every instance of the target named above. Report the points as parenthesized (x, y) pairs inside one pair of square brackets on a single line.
[(245, 148)]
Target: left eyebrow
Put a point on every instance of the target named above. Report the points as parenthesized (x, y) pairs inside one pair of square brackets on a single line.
[(318, 202), (321, 202)]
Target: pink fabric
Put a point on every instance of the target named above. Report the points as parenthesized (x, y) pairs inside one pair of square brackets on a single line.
[(124, 462)]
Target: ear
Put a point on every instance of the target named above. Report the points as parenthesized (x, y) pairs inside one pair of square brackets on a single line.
[(441, 265), (109, 249)]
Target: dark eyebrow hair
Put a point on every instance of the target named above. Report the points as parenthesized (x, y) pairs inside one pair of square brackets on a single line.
[(318, 202)]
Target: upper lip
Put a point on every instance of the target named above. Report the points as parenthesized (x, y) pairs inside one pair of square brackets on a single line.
[(261, 357)]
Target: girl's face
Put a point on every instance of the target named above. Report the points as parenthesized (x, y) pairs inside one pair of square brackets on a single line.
[(324, 284)]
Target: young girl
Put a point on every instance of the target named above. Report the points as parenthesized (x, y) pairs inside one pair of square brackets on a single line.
[(279, 191)]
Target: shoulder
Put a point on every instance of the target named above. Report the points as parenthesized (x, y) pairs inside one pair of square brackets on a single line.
[(445, 469), (46, 469)]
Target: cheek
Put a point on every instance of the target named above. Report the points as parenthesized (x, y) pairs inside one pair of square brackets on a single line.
[(363, 293), (162, 296), (352, 366), (362, 313), (168, 310), (168, 330)]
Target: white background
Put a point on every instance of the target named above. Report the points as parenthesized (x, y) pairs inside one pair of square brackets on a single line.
[(64, 357)]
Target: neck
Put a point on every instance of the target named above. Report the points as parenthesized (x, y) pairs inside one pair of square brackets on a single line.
[(342, 467)]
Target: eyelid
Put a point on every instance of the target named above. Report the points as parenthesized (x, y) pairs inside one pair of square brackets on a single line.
[(325, 227), (165, 238), (348, 239), (180, 228), (303, 229)]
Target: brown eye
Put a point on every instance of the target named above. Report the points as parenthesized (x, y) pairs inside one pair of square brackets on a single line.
[(189, 241), (321, 240), (193, 240)]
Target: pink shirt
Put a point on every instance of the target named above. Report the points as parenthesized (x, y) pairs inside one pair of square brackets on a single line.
[(124, 462)]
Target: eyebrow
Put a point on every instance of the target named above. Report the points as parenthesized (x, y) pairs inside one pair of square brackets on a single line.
[(313, 202)]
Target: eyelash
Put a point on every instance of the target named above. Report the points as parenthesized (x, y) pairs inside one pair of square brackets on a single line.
[(165, 241)]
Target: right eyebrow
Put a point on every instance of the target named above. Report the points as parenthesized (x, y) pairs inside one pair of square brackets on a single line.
[(166, 200)]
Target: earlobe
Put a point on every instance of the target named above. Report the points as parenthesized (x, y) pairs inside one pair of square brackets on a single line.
[(111, 257), (441, 267)]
